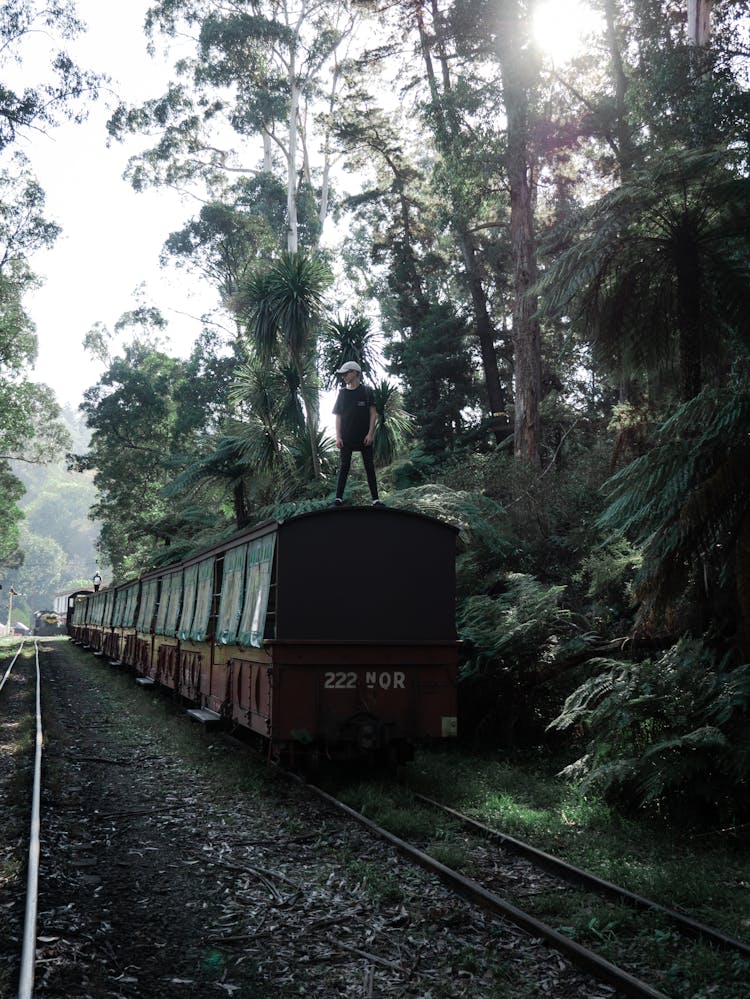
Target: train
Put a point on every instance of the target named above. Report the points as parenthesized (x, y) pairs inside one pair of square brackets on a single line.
[(47, 623), (64, 605), (328, 635)]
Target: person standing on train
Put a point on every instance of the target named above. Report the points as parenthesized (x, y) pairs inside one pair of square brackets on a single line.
[(355, 428)]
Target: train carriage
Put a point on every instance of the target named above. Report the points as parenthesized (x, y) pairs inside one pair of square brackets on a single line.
[(330, 632), (64, 605)]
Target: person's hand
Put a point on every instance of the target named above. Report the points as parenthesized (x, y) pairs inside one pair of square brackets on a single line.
[(368, 440), (339, 442)]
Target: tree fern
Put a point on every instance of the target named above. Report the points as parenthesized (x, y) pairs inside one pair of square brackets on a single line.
[(656, 272), (686, 503), (670, 733)]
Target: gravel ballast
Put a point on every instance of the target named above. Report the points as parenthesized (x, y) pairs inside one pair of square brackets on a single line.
[(176, 863)]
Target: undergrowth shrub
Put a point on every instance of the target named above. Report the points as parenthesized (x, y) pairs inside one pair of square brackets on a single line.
[(550, 512), (608, 572), (670, 734), (517, 631), (513, 637)]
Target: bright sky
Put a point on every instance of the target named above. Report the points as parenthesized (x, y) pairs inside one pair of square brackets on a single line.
[(111, 236), (560, 27)]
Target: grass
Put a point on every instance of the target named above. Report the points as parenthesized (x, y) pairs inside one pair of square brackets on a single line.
[(710, 877), (379, 888)]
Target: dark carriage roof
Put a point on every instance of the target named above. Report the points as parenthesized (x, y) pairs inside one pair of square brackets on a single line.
[(311, 520), (356, 574), (381, 512), (352, 574), (360, 574)]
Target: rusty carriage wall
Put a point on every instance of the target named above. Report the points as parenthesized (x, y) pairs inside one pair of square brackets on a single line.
[(330, 632)]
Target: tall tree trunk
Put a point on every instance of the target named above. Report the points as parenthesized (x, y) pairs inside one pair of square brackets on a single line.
[(291, 179), (448, 140), (624, 137), (699, 22), (485, 329), (514, 57), (742, 576), (690, 325), (241, 509)]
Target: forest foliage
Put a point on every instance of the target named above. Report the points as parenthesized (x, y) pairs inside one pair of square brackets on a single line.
[(542, 267), (32, 431)]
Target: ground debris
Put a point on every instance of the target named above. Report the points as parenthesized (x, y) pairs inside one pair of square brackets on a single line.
[(158, 881)]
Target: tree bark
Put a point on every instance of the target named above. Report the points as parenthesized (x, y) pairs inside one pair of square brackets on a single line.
[(448, 139), (742, 576), (309, 417), (291, 180), (699, 22), (514, 59), (625, 149), (690, 331)]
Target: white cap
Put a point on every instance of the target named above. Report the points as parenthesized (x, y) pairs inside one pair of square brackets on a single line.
[(349, 366)]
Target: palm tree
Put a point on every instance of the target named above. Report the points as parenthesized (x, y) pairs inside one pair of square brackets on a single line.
[(347, 338), (282, 306), (394, 425), (658, 270)]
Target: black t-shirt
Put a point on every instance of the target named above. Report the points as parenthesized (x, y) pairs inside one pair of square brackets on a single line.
[(353, 406)]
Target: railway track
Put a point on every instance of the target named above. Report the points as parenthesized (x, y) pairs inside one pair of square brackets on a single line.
[(606, 889), (158, 880), (482, 891), (137, 808), (7, 668), (14, 706)]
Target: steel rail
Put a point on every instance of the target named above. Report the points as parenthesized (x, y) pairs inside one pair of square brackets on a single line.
[(576, 875), (28, 954), (11, 665), (585, 959)]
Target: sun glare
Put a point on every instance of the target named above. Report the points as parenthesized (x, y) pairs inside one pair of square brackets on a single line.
[(562, 26)]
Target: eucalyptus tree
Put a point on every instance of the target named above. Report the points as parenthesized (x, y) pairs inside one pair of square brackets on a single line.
[(519, 70), (429, 343), (30, 429), (451, 97), (43, 571), (231, 233), (58, 508), (265, 70), (62, 90), (699, 21)]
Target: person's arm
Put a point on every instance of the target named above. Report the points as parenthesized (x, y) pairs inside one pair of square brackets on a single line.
[(371, 432), (339, 441)]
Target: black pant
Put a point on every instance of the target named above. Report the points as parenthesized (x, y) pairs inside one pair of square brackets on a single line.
[(346, 464)]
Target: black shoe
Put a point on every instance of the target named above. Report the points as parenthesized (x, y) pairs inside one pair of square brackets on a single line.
[(337, 502), (378, 503)]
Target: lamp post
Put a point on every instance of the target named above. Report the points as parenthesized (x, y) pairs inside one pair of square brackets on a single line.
[(10, 608)]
